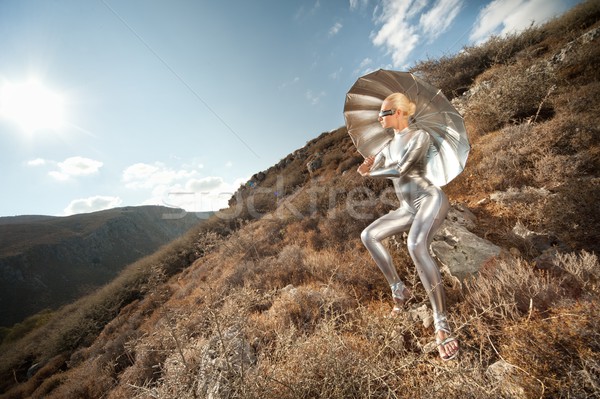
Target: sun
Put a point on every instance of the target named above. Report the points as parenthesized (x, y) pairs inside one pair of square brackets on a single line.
[(32, 106)]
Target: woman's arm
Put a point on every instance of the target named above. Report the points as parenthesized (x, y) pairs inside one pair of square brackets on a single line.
[(417, 149), (369, 163)]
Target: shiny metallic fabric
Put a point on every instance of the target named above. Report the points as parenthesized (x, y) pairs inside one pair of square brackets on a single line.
[(449, 149)]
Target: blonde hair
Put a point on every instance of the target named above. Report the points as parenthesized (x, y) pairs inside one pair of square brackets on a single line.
[(400, 101)]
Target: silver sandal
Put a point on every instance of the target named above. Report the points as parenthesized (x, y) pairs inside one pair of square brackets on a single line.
[(441, 324), (398, 296)]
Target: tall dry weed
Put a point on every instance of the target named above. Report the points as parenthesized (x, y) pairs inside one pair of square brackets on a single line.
[(511, 94)]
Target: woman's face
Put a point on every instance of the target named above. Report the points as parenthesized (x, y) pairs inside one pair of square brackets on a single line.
[(388, 116)]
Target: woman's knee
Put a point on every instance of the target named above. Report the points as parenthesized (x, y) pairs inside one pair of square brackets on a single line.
[(366, 237), (417, 249)]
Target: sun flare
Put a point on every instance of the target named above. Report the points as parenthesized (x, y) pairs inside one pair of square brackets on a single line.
[(32, 106)]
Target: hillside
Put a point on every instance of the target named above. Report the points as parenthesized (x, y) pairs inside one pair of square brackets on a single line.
[(46, 262), (276, 297)]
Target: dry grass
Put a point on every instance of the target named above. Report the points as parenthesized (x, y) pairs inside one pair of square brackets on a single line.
[(290, 305)]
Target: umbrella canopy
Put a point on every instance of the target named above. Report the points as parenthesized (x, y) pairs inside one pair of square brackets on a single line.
[(434, 114)]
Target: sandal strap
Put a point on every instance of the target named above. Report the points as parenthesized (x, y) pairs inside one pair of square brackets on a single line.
[(397, 290), (440, 322), (445, 341)]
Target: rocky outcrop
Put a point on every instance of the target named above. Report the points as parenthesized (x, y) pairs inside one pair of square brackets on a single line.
[(461, 252), (314, 163), (565, 54)]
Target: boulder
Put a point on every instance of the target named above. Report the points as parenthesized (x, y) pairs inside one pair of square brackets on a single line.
[(503, 373), (461, 252), (314, 163)]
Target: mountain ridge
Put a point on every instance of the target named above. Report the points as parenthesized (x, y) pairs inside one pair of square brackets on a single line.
[(49, 261)]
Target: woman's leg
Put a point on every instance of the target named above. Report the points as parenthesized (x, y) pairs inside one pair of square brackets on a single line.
[(429, 218), (392, 223)]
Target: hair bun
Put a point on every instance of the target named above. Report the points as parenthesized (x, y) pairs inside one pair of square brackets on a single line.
[(412, 109)]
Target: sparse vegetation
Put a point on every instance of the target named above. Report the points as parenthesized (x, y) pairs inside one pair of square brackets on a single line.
[(288, 304)]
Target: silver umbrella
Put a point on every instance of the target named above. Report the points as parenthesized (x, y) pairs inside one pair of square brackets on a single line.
[(434, 114)]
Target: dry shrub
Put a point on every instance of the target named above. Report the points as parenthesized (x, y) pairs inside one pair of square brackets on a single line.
[(583, 271), (560, 157), (573, 214), (256, 239), (271, 272), (349, 163), (333, 157), (353, 270), (510, 94), (324, 365), (580, 17), (509, 290), (367, 356), (207, 360), (572, 139), (496, 164), (578, 107), (312, 201), (42, 382), (540, 155), (455, 74), (578, 66), (341, 230), (302, 308), (557, 356)]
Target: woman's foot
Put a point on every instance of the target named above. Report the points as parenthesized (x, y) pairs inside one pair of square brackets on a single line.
[(447, 345), (400, 295)]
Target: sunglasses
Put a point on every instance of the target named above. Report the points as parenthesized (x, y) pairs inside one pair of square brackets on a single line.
[(384, 113)]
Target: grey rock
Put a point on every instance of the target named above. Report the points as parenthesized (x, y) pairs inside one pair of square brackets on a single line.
[(461, 252), (502, 372), (315, 163), (524, 194), (423, 314), (224, 358)]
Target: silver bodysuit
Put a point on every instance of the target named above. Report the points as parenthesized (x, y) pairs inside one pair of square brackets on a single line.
[(423, 209)]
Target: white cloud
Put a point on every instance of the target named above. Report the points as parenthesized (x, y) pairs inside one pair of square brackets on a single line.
[(396, 33), (196, 195), (336, 74), (75, 166), (364, 67), (415, 7), (178, 188), (303, 12), (508, 16), (92, 204), (147, 176), (37, 162), (314, 98), (335, 29), (439, 18), (291, 82), (354, 4), (204, 184), (406, 23)]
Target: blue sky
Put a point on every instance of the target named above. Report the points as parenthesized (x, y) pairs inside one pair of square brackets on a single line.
[(107, 103)]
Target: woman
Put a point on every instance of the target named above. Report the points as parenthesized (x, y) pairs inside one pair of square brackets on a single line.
[(423, 209)]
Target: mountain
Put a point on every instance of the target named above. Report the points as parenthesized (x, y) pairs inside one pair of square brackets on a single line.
[(46, 262), (276, 296)]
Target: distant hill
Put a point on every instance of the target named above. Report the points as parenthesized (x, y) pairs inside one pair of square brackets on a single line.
[(48, 261)]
